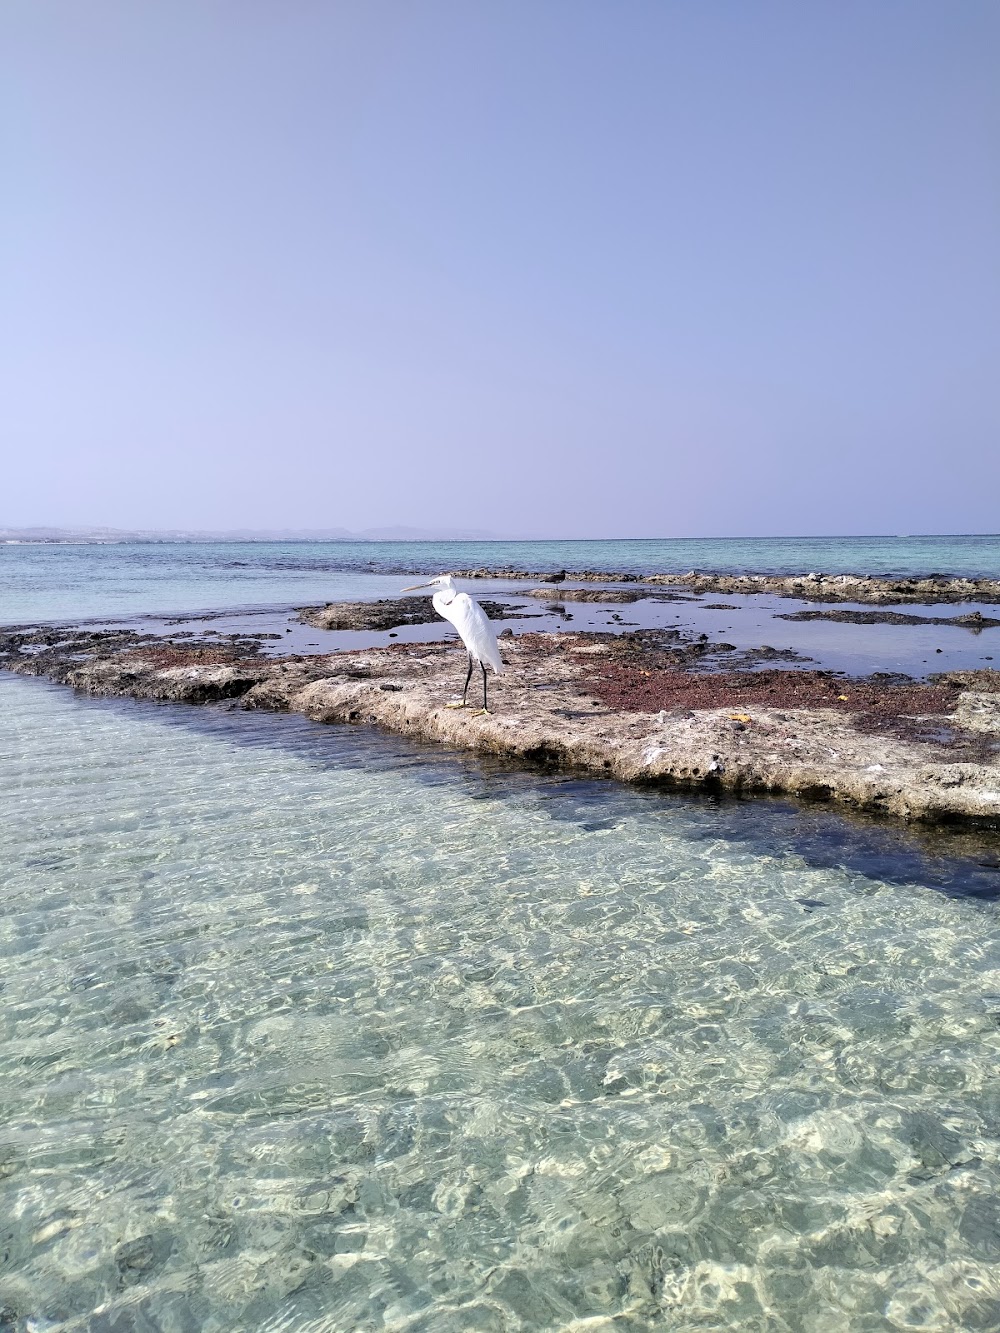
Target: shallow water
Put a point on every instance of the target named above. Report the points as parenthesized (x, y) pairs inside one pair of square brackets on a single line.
[(306, 1028), (161, 585), (52, 582), (740, 621), (743, 621)]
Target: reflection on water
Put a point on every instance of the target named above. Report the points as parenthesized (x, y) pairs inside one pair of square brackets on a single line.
[(305, 1028)]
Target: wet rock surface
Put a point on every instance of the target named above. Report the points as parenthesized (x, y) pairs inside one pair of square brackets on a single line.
[(507, 572), (814, 586), (615, 595), (892, 706), (135, 664), (386, 614), (650, 706), (974, 620)]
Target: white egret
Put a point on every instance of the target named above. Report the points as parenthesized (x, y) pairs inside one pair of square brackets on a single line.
[(473, 625)]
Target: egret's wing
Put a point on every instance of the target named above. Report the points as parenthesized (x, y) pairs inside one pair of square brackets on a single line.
[(473, 624)]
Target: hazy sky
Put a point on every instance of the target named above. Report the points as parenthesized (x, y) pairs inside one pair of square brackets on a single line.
[(638, 267)]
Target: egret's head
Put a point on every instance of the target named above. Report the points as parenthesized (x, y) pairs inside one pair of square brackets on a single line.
[(442, 581)]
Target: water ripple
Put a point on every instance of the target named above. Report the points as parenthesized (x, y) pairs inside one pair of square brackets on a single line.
[(296, 1035)]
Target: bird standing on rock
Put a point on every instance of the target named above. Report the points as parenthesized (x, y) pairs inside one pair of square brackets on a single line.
[(554, 578), (473, 626)]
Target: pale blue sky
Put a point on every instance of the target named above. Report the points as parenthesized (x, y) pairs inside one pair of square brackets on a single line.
[(539, 266)]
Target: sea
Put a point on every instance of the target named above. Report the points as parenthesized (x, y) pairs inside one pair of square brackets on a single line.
[(311, 1028), (59, 580)]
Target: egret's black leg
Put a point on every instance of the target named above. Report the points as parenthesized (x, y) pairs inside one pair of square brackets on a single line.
[(468, 677), (483, 669)]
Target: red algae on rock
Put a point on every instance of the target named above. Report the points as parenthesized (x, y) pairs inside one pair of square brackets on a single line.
[(648, 690)]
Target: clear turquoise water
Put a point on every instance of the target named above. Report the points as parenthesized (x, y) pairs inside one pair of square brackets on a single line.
[(53, 582), (304, 1028), (307, 1029)]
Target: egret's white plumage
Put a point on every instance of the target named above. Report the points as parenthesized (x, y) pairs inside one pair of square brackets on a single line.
[(472, 623)]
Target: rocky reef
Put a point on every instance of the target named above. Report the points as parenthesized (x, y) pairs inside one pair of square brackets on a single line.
[(646, 707), (389, 613), (815, 587), (606, 595)]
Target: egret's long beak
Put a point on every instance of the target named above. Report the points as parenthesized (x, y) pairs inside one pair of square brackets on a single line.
[(414, 586)]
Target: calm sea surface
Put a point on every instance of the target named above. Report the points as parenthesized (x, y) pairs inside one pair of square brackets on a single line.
[(307, 1028), (49, 582)]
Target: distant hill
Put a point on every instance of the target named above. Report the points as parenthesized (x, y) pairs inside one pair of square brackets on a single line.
[(401, 534), (391, 534)]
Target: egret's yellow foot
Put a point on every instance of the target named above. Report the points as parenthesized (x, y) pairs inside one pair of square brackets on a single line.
[(482, 712), (455, 703)]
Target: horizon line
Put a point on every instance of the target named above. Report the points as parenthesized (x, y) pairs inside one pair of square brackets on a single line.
[(302, 535)]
